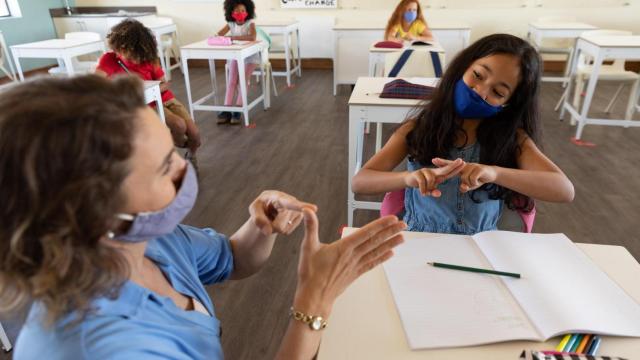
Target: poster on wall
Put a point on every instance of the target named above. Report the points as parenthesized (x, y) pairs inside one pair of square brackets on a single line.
[(308, 4)]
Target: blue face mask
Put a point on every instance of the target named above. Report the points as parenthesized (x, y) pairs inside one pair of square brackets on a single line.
[(410, 16), (148, 225), (469, 105)]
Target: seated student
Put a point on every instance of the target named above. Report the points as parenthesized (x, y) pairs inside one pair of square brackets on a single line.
[(407, 23), (93, 194), (239, 15), (474, 146), (134, 50)]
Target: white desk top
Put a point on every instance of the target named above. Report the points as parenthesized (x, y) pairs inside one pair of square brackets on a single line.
[(202, 45), (614, 41), (435, 46), (277, 22), (378, 26), (55, 44), (365, 324), (561, 25), (367, 92), (150, 83)]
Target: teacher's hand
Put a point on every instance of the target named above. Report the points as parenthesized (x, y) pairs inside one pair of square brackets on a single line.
[(275, 212), (326, 270)]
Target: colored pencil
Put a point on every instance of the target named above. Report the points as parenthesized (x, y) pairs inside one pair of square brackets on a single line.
[(476, 270), (582, 348), (595, 345), (569, 344), (563, 342), (576, 343)]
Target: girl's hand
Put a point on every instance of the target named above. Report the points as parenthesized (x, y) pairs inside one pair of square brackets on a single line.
[(428, 179), (274, 212), (326, 270), (472, 176)]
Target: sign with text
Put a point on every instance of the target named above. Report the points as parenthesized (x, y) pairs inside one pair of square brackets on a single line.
[(309, 4)]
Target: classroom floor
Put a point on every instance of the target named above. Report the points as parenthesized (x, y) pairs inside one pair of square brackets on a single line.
[(300, 146)]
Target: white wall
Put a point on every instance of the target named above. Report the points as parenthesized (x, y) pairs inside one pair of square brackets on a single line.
[(198, 19)]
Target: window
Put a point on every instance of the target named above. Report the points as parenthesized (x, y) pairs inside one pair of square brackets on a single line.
[(4, 8), (9, 9)]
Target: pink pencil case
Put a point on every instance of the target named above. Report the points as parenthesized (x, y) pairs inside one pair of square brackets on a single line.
[(219, 40)]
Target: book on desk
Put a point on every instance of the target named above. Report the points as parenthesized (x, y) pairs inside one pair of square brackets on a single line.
[(560, 291)]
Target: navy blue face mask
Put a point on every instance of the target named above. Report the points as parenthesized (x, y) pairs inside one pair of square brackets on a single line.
[(469, 105)]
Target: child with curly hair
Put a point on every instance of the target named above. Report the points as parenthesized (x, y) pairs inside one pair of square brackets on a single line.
[(134, 51), (239, 15)]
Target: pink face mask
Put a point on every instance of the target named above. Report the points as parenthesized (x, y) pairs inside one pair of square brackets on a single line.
[(239, 16)]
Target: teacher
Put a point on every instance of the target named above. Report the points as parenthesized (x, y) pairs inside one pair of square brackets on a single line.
[(93, 194)]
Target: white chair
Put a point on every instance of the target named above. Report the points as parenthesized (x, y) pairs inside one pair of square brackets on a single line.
[(4, 340), (4, 54), (608, 72), (265, 70), (169, 46), (277, 48), (79, 67), (558, 46)]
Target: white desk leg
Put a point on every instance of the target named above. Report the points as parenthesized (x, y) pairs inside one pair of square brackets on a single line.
[(372, 65), (633, 95), (591, 88), (298, 53), (68, 64), (571, 81), (265, 86), (378, 136), (185, 67), (243, 89), (335, 63), (16, 60), (4, 340), (212, 76), (159, 105), (287, 56), (163, 64), (355, 132)]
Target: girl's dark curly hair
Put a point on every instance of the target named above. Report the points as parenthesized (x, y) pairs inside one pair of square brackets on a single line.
[(135, 40), (229, 5)]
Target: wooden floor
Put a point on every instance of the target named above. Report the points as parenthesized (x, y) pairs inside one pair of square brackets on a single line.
[(300, 146)]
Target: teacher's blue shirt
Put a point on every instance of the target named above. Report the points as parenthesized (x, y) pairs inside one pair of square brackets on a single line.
[(140, 324)]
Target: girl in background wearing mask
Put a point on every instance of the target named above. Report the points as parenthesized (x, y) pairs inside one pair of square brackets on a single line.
[(240, 26), (473, 147), (407, 23)]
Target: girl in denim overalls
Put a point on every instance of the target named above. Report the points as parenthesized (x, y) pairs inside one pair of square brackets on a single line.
[(472, 149)]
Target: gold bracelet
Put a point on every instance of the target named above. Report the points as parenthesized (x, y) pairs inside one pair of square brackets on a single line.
[(315, 322)]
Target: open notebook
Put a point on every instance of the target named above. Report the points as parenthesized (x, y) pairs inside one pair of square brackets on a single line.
[(561, 290)]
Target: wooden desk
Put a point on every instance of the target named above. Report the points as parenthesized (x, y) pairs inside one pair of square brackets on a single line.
[(365, 105), (64, 49), (238, 52), (601, 48), (365, 323), (286, 28), (377, 55), (352, 43), (539, 30)]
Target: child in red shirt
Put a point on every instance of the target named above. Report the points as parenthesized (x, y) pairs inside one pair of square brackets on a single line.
[(134, 50)]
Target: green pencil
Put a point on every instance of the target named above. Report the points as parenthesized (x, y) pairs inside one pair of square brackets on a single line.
[(476, 270)]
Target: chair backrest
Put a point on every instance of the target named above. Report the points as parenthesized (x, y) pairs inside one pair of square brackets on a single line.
[(510, 220), (419, 64), (618, 64), (83, 35)]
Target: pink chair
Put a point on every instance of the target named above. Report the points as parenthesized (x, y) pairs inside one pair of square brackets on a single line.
[(393, 204)]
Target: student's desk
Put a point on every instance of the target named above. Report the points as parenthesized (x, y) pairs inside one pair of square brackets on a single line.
[(65, 49), (4, 340), (286, 28), (238, 52), (600, 48), (352, 41), (165, 29), (377, 55), (365, 324), (365, 105), (152, 94), (568, 30)]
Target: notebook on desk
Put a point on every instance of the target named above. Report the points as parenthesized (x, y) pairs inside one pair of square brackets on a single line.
[(561, 290)]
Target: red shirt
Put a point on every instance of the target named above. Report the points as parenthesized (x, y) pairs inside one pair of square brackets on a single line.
[(147, 71)]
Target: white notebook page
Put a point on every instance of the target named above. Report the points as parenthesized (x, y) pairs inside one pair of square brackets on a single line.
[(448, 308), (561, 289)]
